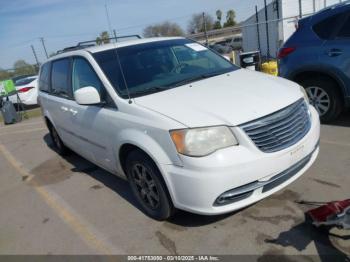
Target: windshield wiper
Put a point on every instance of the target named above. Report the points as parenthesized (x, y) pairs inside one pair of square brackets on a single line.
[(149, 91), (197, 78)]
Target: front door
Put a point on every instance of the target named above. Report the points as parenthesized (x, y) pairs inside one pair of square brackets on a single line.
[(91, 122)]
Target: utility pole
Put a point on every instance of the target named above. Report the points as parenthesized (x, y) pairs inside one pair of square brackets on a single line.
[(325, 3), (257, 26), (267, 32), (35, 56), (300, 10), (115, 35), (43, 43), (314, 5), (205, 30)]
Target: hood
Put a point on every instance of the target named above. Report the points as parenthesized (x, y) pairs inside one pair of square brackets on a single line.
[(229, 99)]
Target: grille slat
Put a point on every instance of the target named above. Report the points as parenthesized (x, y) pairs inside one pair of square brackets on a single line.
[(281, 129)]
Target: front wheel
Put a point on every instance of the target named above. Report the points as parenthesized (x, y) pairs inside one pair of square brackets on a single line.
[(148, 186), (58, 144), (324, 96)]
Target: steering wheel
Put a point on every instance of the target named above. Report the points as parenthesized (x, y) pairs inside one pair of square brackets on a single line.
[(178, 67)]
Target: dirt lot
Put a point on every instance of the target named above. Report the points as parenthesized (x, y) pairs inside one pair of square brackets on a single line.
[(54, 205)]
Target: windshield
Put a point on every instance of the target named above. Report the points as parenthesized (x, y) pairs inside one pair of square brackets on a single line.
[(158, 66)]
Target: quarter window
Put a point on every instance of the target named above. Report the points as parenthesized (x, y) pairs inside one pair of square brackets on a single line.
[(59, 78), (345, 31), (325, 28)]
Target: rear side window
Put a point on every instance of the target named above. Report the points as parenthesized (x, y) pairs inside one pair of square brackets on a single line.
[(44, 83), (325, 28), (59, 78), (345, 30)]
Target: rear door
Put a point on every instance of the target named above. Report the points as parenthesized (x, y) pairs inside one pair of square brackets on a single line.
[(336, 49)]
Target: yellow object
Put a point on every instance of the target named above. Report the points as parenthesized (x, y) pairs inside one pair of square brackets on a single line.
[(270, 68)]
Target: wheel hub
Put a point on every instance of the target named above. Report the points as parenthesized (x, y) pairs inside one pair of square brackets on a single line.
[(319, 99), (145, 186)]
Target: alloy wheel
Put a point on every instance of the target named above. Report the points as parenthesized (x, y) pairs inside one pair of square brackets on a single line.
[(319, 99), (145, 185)]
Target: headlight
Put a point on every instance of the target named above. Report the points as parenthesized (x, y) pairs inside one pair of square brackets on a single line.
[(306, 97), (202, 141)]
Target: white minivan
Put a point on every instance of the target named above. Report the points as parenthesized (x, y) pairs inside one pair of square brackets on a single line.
[(188, 129)]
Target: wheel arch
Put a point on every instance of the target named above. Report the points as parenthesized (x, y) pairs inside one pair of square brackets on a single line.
[(316, 73)]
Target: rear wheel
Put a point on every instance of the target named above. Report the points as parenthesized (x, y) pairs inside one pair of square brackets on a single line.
[(324, 96), (57, 142), (148, 186)]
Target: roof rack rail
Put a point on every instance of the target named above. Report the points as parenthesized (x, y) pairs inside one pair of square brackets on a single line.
[(110, 38), (86, 44)]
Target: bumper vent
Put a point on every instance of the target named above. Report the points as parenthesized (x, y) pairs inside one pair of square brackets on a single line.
[(281, 129)]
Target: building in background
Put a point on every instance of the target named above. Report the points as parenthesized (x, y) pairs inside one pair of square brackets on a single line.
[(281, 16)]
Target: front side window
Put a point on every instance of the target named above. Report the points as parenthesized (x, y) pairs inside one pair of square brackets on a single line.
[(59, 77), (83, 75), (157, 66)]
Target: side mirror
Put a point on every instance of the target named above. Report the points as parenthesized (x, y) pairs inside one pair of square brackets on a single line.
[(87, 96)]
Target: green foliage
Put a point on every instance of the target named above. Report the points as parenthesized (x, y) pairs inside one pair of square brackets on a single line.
[(196, 24), (230, 18), (103, 38), (163, 29), (20, 67)]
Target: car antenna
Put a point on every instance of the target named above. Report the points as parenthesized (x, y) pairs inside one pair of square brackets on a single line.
[(117, 54)]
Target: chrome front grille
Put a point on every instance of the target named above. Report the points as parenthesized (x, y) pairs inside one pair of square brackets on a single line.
[(281, 129)]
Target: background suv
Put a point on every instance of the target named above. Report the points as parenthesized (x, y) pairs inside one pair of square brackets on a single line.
[(317, 56)]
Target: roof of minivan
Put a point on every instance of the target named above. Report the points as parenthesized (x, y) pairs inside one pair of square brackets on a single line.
[(99, 48), (104, 47)]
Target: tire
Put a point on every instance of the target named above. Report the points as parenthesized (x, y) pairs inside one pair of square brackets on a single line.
[(324, 95), (148, 186), (57, 142)]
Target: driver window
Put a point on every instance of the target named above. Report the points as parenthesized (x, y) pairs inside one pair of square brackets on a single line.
[(83, 75)]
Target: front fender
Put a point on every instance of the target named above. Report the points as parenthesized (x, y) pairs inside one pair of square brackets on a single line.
[(161, 154)]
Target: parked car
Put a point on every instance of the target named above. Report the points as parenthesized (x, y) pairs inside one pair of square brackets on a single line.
[(18, 78), (187, 128), (27, 89), (221, 49), (317, 56), (236, 42)]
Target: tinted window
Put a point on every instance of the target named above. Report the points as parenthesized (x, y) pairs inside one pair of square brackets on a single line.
[(83, 75), (59, 77), (44, 84), (325, 28), (345, 30), (157, 66)]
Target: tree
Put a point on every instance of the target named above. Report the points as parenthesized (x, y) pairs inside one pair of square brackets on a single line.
[(217, 24), (103, 38), (230, 18), (21, 67), (196, 24), (163, 29)]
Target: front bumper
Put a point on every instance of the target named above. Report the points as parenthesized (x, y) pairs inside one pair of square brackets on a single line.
[(196, 186)]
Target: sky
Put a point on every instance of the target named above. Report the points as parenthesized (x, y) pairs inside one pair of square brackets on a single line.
[(63, 23)]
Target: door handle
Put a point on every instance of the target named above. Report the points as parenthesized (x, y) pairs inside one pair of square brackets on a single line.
[(63, 108), (334, 52), (74, 112)]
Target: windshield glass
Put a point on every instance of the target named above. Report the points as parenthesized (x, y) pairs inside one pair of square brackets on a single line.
[(158, 66)]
